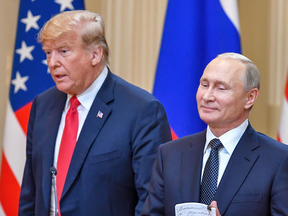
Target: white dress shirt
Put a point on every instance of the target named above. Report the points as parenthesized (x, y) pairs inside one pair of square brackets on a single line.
[(229, 141), (86, 99)]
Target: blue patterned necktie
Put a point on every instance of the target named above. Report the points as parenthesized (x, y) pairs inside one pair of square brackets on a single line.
[(210, 175)]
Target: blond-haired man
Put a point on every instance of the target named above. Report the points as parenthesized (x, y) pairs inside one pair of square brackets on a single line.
[(118, 128)]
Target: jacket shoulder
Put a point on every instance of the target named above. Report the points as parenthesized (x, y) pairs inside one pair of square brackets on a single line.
[(122, 86), (269, 142)]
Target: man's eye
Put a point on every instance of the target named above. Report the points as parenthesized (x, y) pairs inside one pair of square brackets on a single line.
[(204, 84), (63, 51), (221, 88)]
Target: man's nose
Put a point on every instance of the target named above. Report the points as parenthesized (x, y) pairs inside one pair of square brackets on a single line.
[(209, 95), (53, 60)]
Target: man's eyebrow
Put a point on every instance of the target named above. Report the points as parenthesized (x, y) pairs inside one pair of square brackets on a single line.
[(57, 46), (221, 82), (44, 48), (204, 79)]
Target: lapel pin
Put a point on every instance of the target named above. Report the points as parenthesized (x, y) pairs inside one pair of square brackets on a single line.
[(100, 114)]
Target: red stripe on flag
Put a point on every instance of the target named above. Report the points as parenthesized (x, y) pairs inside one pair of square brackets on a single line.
[(9, 189), (278, 137), (23, 116), (174, 136)]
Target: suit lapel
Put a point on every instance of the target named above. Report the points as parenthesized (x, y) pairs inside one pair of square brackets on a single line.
[(90, 130), (49, 138), (240, 164), (191, 167)]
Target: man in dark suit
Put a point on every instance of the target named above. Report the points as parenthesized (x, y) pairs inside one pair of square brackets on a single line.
[(118, 128), (252, 174)]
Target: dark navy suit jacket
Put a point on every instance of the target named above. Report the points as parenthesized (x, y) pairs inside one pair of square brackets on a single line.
[(254, 183), (112, 162)]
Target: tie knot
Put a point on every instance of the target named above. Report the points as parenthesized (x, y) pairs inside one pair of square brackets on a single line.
[(74, 103), (215, 144)]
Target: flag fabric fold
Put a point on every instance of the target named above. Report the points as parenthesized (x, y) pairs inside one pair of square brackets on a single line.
[(195, 32), (30, 76), (282, 135)]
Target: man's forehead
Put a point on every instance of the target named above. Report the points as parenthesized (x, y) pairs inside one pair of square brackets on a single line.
[(66, 37), (222, 76), (225, 67), (226, 62), (58, 43)]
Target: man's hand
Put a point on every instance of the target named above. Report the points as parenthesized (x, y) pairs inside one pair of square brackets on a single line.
[(214, 205)]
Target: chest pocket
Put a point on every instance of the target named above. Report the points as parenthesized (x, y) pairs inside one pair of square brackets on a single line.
[(108, 156), (247, 198)]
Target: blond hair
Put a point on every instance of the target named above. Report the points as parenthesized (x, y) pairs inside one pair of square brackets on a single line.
[(90, 26)]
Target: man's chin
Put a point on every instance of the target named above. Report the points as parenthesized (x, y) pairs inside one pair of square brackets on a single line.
[(64, 89), (208, 119)]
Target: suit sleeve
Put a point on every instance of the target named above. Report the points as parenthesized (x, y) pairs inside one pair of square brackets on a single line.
[(154, 204), (151, 130), (279, 191), (27, 194)]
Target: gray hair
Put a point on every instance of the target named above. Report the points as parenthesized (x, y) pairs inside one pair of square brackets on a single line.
[(251, 77)]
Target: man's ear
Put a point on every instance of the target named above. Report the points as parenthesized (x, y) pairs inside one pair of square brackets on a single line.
[(96, 55), (251, 97)]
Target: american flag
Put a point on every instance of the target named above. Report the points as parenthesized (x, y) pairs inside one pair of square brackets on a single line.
[(100, 114), (30, 76)]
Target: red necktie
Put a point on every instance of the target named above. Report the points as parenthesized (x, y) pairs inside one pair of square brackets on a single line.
[(67, 146)]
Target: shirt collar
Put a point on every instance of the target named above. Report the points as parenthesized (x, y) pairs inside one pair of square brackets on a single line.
[(229, 139)]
